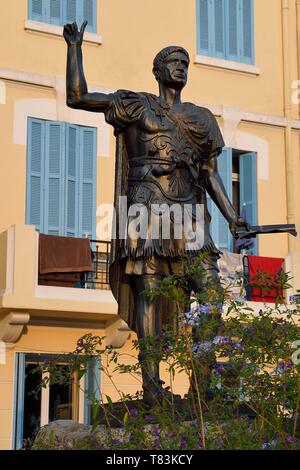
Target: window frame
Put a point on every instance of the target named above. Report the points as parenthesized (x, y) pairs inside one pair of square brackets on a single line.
[(210, 52), (89, 383), (45, 18)]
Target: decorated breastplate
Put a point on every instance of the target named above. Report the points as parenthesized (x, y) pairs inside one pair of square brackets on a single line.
[(168, 171)]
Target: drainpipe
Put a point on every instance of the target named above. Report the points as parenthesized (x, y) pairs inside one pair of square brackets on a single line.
[(288, 115)]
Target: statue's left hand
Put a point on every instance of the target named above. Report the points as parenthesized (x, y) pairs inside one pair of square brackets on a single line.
[(239, 222), (72, 35)]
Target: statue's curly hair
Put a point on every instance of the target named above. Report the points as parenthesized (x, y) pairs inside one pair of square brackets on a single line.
[(164, 53)]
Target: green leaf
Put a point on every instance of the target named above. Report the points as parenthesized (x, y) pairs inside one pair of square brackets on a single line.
[(95, 409), (110, 402), (126, 418)]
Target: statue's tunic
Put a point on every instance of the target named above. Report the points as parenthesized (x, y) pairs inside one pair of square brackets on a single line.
[(167, 149)]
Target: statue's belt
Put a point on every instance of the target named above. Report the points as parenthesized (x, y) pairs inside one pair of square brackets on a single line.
[(158, 169), (154, 189), (141, 161)]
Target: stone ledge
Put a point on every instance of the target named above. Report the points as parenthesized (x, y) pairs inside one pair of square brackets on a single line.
[(227, 64), (56, 30)]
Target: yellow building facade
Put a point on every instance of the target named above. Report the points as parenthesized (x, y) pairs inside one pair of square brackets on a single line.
[(254, 94)]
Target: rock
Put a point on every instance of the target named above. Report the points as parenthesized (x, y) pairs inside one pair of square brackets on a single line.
[(70, 435), (64, 435)]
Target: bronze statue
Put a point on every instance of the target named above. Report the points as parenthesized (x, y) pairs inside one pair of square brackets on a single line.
[(167, 153)]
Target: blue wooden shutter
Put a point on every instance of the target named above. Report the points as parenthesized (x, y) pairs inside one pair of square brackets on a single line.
[(91, 387), (233, 29), (247, 46), (90, 14), (212, 209), (203, 21), (219, 28), (70, 11), (219, 226), (36, 10), (19, 397), (55, 11), (87, 188), (248, 187), (72, 180), (35, 173), (54, 178), (225, 171)]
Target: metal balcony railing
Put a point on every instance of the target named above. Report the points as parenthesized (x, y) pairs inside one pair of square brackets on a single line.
[(99, 277)]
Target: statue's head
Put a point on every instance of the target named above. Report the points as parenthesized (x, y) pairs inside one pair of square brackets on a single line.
[(170, 66)]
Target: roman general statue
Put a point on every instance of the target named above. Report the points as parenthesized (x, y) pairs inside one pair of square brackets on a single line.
[(167, 155)]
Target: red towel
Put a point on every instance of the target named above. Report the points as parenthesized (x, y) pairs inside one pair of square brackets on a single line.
[(269, 266)]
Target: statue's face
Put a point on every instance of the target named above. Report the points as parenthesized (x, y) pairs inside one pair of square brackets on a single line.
[(174, 70)]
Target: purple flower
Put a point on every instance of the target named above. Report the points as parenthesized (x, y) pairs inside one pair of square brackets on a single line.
[(155, 430), (206, 346), (291, 439), (134, 412), (239, 299), (206, 308), (221, 340), (219, 370), (238, 347), (269, 445), (116, 442), (281, 367), (148, 418), (157, 444), (183, 442), (191, 318), (270, 398)]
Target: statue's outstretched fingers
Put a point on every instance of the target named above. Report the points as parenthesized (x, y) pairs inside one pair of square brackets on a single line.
[(83, 26)]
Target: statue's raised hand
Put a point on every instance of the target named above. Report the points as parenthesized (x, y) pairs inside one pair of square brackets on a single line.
[(72, 35)]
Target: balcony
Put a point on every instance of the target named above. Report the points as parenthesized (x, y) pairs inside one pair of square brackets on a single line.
[(24, 302), (97, 278), (89, 304)]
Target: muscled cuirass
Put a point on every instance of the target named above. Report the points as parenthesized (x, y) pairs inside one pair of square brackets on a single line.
[(165, 149)]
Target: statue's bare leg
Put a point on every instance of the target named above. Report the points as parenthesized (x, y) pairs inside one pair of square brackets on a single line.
[(208, 281), (147, 325)]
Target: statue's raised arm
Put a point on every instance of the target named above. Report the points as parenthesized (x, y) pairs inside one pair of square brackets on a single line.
[(78, 96)]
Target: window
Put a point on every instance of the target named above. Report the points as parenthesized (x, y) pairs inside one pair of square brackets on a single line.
[(35, 407), (238, 172), (61, 178), (59, 12), (226, 29)]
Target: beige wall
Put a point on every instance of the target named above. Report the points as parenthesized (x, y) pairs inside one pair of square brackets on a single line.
[(131, 383), (3, 258), (133, 32)]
